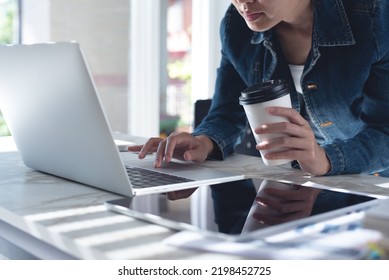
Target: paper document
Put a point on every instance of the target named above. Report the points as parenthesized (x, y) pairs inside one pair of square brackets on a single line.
[(340, 238)]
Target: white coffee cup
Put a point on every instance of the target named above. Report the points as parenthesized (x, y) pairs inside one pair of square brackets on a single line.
[(255, 100)]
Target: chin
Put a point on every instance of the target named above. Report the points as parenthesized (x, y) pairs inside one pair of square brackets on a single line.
[(260, 25), (256, 28)]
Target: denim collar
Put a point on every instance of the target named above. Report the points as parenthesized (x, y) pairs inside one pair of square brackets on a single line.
[(334, 32)]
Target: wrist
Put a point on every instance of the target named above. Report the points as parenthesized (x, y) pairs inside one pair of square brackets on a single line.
[(206, 142), (323, 165), (326, 163), (319, 165)]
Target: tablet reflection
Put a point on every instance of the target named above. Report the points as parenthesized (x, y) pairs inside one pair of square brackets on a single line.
[(277, 203), (252, 204)]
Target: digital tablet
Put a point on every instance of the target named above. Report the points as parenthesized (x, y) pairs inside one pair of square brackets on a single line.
[(246, 210)]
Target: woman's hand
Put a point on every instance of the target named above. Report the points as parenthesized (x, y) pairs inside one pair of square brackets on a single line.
[(149, 147), (300, 142), (182, 146)]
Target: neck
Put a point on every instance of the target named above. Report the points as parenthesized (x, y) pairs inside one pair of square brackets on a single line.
[(295, 33), (299, 20)]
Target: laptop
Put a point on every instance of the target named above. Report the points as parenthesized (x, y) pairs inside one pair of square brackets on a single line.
[(50, 103)]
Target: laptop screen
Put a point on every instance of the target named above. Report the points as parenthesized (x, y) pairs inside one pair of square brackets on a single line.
[(248, 206)]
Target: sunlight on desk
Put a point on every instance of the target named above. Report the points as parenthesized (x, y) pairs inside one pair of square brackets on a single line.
[(142, 251), (65, 213), (383, 185), (89, 224), (123, 234)]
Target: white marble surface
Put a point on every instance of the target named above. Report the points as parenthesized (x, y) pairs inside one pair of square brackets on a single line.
[(72, 217), (253, 167)]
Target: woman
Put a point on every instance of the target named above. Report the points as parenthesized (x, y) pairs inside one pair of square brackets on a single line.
[(343, 48), (335, 56)]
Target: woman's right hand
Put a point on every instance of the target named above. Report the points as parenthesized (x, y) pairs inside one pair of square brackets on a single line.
[(182, 146), (149, 147)]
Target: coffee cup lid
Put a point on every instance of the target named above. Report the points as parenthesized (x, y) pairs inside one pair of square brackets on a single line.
[(263, 92)]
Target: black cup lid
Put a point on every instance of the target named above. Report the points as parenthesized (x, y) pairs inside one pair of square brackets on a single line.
[(263, 92)]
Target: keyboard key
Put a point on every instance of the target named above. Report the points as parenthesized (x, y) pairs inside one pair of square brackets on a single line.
[(143, 178)]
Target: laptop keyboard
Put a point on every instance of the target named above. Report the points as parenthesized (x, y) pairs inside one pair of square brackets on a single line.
[(143, 178)]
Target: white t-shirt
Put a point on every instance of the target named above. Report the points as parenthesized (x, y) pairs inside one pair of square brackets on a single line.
[(297, 72)]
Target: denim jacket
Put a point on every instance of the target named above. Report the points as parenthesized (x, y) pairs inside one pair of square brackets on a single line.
[(345, 82)]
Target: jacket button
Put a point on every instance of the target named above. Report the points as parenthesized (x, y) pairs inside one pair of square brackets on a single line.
[(326, 124), (312, 86)]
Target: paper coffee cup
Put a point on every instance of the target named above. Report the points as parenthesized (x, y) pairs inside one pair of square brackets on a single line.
[(255, 100)]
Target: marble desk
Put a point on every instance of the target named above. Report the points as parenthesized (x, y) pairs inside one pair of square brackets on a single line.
[(45, 217)]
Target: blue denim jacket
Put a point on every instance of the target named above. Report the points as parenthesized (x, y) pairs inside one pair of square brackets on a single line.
[(345, 82)]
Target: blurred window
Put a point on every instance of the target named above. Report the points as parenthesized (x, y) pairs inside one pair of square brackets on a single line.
[(177, 111), (9, 33)]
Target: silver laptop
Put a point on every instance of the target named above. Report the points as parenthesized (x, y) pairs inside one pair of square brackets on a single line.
[(50, 104)]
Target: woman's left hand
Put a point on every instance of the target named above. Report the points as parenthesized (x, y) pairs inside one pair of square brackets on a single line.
[(299, 141)]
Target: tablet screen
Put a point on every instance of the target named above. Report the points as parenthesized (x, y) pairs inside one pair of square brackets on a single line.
[(241, 207)]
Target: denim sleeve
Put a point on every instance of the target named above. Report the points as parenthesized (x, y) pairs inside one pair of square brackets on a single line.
[(226, 121), (368, 151)]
